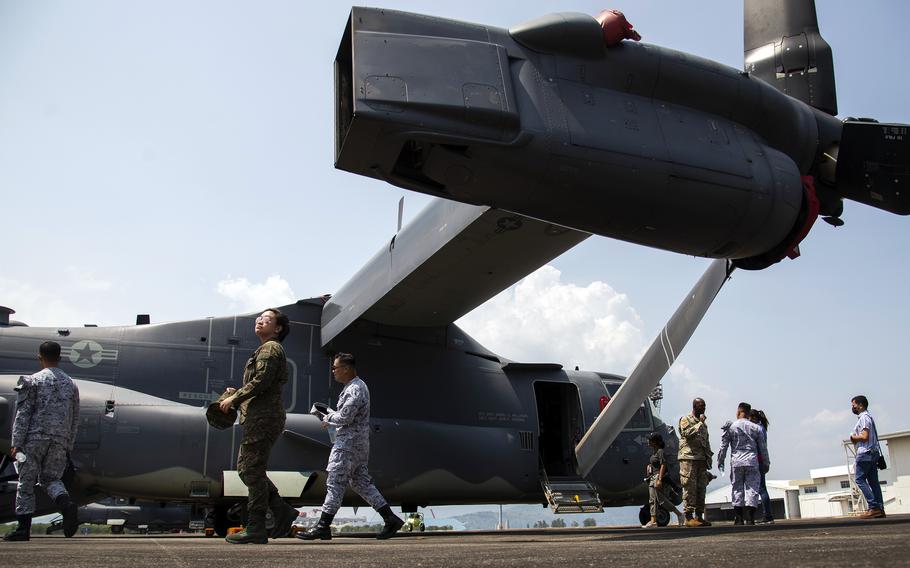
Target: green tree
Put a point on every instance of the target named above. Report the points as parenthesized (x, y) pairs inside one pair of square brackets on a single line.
[(558, 524), (589, 522)]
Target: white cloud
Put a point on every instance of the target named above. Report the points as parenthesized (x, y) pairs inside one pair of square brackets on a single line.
[(542, 319), (682, 384), (828, 418), (86, 280), (249, 296), (41, 307), (686, 385)]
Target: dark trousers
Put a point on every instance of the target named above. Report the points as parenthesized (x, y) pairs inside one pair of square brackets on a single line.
[(765, 499), (255, 447)]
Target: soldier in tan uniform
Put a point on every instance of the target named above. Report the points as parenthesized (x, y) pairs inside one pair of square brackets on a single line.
[(694, 462), (262, 417)]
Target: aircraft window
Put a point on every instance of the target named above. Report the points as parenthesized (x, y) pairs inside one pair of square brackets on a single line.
[(641, 420)]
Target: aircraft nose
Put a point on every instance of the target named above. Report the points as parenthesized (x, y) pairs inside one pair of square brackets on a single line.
[(7, 409)]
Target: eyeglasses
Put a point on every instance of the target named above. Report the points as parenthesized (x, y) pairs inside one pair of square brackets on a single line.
[(264, 318), (336, 367)]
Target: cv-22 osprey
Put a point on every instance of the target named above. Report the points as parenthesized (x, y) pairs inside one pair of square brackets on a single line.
[(452, 421)]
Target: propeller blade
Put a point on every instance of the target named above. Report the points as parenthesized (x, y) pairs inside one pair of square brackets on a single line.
[(783, 47), (652, 367)]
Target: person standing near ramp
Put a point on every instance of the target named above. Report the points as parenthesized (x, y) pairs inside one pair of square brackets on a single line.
[(262, 416), (694, 462), (748, 457), (350, 454), (47, 415)]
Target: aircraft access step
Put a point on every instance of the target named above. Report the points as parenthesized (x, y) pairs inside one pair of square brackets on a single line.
[(571, 495)]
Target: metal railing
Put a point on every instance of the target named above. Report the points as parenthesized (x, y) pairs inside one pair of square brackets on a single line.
[(857, 499)]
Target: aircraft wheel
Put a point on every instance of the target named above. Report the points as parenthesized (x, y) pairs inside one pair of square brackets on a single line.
[(663, 517), (422, 528), (220, 520), (408, 527), (116, 529), (644, 514)]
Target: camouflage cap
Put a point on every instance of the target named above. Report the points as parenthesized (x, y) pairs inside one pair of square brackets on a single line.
[(218, 419)]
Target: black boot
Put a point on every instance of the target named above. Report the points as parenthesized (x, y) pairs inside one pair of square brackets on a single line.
[(23, 530), (737, 515), (70, 514), (392, 522), (322, 530), (750, 515), (283, 516), (254, 533)]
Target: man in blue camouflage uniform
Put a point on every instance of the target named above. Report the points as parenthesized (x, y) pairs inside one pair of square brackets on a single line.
[(748, 452), (47, 414), (262, 416), (350, 454)]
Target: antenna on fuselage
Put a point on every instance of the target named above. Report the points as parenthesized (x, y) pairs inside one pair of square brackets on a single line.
[(657, 395)]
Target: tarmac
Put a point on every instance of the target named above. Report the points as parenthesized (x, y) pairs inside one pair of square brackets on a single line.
[(829, 542)]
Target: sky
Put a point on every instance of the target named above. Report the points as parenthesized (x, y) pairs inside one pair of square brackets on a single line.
[(176, 158)]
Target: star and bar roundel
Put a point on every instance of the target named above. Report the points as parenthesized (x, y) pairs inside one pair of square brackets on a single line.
[(87, 353)]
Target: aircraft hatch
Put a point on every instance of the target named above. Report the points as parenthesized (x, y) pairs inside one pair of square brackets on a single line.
[(560, 425)]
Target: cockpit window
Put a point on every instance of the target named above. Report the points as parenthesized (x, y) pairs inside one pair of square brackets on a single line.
[(641, 420)]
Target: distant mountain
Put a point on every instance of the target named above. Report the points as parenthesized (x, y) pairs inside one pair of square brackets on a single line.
[(525, 516)]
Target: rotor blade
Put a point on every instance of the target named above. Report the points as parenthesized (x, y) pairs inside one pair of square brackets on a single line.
[(783, 47), (652, 367)]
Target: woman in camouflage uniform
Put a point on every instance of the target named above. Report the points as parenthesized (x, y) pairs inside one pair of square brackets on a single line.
[(262, 416)]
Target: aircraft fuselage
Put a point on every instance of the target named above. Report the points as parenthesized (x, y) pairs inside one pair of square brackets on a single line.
[(451, 422)]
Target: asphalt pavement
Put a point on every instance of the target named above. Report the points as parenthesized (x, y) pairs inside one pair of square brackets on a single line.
[(830, 542)]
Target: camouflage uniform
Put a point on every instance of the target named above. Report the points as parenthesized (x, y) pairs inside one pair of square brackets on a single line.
[(351, 450), (694, 461), (47, 415), (262, 416), (747, 449)]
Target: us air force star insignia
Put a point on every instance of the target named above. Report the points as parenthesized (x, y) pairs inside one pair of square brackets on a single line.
[(86, 353)]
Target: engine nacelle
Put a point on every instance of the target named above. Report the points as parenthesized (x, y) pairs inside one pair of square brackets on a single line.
[(635, 142)]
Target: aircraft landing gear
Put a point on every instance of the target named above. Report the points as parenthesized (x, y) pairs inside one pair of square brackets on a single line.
[(218, 520)]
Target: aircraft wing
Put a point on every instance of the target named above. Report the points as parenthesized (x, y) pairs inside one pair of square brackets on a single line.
[(450, 259)]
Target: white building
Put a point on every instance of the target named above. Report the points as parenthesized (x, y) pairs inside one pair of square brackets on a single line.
[(897, 493), (784, 501), (829, 491)]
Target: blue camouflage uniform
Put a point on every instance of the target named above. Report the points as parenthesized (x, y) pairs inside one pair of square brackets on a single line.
[(351, 450), (47, 415), (748, 448)]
